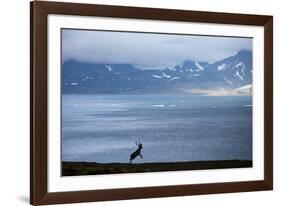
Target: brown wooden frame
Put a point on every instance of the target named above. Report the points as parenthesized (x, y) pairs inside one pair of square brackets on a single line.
[(38, 102)]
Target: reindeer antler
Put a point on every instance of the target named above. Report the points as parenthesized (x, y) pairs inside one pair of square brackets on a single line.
[(138, 143)]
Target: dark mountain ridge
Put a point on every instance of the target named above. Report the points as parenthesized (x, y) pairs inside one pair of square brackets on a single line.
[(91, 78)]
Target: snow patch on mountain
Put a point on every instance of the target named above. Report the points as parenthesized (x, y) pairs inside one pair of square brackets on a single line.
[(221, 67), (227, 81), (174, 78), (157, 76), (243, 71), (239, 64), (171, 67), (165, 75), (199, 66), (237, 74)]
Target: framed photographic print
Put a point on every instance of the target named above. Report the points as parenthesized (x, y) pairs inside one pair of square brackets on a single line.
[(131, 102)]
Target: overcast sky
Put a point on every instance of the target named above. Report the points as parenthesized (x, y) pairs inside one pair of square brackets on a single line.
[(148, 49)]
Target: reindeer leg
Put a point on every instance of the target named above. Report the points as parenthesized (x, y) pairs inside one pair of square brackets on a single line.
[(141, 156)]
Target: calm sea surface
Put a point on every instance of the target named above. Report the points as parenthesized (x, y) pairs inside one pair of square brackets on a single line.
[(104, 128)]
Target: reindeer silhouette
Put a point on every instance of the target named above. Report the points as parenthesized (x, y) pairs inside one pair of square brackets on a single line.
[(137, 152)]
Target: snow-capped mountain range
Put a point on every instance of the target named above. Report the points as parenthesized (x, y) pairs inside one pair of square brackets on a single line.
[(189, 76)]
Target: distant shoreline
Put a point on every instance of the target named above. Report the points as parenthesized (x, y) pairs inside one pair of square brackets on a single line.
[(93, 168)]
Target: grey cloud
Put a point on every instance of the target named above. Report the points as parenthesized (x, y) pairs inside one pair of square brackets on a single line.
[(147, 48)]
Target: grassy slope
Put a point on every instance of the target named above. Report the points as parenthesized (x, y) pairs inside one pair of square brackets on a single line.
[(86, 168)]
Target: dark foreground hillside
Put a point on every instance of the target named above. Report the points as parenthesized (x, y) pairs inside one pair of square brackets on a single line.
[(86, 168)]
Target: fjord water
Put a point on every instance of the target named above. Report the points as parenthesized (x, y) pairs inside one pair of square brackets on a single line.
[(104, 128)]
